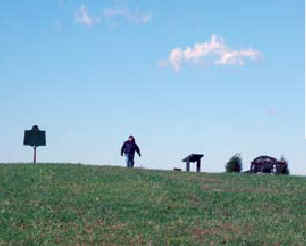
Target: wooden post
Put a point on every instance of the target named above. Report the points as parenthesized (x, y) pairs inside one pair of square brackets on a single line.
[(199, 166), (187, 166), (34, 155)]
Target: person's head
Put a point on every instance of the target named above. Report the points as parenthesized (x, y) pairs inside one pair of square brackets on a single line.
[(35, 128), (132, 139)]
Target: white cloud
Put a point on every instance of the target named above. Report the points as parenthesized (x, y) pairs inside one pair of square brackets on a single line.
[(82, 17), (133, 16), (215, 48)]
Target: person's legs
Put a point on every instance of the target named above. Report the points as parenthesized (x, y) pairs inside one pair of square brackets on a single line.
[(130, 160), (127, 159)]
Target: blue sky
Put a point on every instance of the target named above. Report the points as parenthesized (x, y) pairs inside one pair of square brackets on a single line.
[(216, 78)]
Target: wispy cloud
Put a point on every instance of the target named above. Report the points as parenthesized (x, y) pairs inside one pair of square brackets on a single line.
[(271, 111), (216, 49), (132, 16), (82, 16)]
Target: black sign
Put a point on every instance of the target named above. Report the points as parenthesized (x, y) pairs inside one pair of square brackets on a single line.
[(34, 137)]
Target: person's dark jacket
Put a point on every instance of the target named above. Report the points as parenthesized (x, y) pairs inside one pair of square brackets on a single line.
[(129, 148)]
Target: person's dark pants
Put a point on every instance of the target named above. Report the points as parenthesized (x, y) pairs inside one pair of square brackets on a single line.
[(130, 160)]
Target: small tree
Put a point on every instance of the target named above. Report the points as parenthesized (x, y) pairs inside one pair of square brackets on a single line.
[(283, 159), (234, 164), (283, 168)]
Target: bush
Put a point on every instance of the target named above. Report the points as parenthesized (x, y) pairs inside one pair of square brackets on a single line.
[(234, 164), (282, 167)]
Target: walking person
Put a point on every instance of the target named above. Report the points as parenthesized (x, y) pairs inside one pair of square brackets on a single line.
[(129, 148)]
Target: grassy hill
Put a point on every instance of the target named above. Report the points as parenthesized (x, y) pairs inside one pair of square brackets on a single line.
[(89, 205)]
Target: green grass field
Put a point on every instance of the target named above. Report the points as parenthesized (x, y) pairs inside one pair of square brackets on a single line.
[(50, 204)]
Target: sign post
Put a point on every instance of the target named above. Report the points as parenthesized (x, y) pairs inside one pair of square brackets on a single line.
[(34, 154)]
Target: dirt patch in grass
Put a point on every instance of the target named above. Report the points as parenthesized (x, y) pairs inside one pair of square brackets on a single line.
[(205, 180), (119, 226), (194, 177), (223, 231), (209, 187), (194, 200)]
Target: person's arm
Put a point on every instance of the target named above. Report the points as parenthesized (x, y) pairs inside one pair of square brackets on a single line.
[(137, 150), (122, 148)]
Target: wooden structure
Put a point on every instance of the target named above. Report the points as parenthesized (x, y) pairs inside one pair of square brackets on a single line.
[(268, 164), (193, 158)]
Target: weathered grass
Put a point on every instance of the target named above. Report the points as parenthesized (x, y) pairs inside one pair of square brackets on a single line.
[(90, 205)]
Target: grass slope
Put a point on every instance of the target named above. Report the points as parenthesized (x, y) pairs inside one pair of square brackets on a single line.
[(90, 205)]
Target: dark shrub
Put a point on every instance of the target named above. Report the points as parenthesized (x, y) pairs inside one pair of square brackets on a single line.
[(234, 164), (282, 166)]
